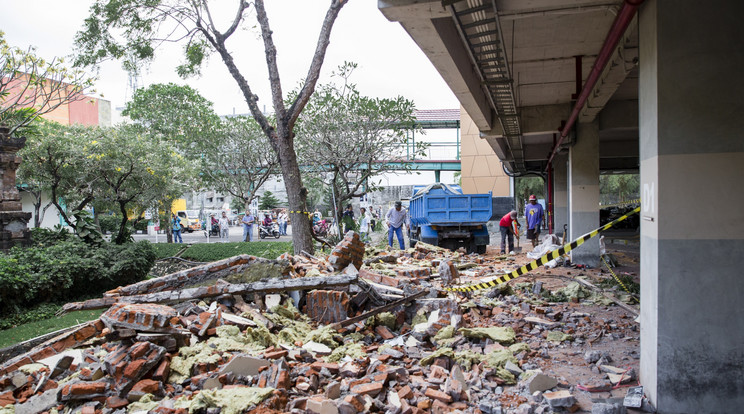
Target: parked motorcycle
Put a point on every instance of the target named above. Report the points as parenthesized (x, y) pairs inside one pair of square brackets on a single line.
[(321, 228), (214, 231), (272, 230)]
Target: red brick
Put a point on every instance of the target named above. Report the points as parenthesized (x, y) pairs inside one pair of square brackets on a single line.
[(7, 398), (147, 386), (116, 402), (132, 369), (87, 388), (163, 369), (330, 366), (384, 332), (357, 401), (405, 392), (371, 389), (438, 395), (276, 354), (139, 349)]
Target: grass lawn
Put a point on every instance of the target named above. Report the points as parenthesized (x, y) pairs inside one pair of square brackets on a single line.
[(210, 252), (31, 330)]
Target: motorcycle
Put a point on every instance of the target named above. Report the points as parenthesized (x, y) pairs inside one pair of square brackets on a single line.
[(272, 230), (321, 228), (214, 231)]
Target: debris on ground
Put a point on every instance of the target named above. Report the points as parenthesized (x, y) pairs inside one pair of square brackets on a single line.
[(358, 331)]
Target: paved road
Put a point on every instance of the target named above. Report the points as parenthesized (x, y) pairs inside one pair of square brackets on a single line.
[(236, 235)]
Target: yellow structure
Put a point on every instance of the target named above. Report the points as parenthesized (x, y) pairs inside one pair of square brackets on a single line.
[(481, 169)]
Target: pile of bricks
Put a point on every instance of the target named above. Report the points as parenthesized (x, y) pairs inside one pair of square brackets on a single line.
[(397, 362), (349, 251)]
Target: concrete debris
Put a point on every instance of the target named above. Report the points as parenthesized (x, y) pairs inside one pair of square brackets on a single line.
[(372, 334)]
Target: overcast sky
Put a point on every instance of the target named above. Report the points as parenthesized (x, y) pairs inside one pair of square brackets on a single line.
[(390, 63)]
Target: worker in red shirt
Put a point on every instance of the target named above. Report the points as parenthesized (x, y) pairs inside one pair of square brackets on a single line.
[(506, 227)]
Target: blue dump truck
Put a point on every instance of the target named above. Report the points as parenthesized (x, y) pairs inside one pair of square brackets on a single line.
[(443, 216)]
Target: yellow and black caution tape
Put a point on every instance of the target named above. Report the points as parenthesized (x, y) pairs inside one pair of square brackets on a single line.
[(624, 203), (309, 214), (617, 278), (541, 261)]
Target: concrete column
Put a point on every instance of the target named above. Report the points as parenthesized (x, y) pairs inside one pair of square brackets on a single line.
[(692, 226), (583, 191), (560, 191)]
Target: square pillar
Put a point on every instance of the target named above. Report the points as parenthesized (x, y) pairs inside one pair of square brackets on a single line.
[(560, 192), (583, 191), (692, 226)]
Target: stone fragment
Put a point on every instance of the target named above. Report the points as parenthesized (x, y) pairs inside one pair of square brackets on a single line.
[(593, 356), (393, 399), (323, 406), (38, 403), (558, 399), (448, 272), (317, 348), (243, 364), (608, 408), (333, 390), (271, 300), (541, 382), (513, 368)]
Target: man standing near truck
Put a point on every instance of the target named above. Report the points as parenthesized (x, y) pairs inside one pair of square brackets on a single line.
[(533, 214), (395, 218), (505, 225)]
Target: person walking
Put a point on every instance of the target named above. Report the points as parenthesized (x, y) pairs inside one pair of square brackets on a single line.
[(282, 221), (347, 219), (248, 221), (533, 213), (176, 226), (224, 224), (507, 232), (364, 224), (395, 218)]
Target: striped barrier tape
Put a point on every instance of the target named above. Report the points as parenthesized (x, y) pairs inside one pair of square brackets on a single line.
[(541, 261), (624, 203), (617, 279)]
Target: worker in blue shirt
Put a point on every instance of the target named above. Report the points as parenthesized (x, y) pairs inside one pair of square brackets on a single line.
[(533, 213)]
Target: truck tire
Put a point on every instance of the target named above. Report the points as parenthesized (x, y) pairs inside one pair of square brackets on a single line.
[(481, 249)]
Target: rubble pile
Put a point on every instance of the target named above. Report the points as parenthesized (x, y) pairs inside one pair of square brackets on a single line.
[(370, 333)]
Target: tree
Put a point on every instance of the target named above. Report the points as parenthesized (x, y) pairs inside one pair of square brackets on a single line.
[(268, 201), (144, 24), (54, 162), (617, 188), (526, 186), (354, 137), (135, 171), (31, 86), (176, 115), (237, 160)]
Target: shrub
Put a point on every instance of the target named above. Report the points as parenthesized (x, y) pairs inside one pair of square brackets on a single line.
[(68, 271), (46, 237), (109, 223)]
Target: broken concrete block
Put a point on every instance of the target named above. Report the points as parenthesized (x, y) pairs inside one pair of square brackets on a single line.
[(144, 317), (561, 398), (38, 403), (244, 365), (593, 356), (513, 368), (271, 300), (448, 272), (608, 408), (322, 406), (541, 382), (317, 348), (394, 399), (333, 390)]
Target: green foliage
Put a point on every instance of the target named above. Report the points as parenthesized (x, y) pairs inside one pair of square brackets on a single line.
[(268, 201), (39, 321), (86, 228), (68, 270), (616, 188), (31, 86), (42, 237), (525, 187), (627, 280), (163, 250), (210, 252)]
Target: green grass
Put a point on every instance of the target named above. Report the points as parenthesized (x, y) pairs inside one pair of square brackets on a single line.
[(210, 252), (31, 330), (163, 250)]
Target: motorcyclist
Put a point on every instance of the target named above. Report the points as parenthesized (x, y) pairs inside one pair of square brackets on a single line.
[(267, 220)]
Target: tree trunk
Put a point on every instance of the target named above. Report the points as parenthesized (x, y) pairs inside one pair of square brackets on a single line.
[(37, 208), (302, 237), (121, 237)]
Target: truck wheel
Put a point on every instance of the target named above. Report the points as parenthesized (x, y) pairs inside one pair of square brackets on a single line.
[(481, 249)]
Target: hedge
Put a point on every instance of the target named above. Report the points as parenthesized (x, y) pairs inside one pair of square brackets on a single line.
[(210, 252), (68, 270)]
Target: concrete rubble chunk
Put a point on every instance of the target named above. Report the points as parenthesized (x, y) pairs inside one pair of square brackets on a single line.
[(243, 364), (333, 390), (272, 299), (557, 399), (323, 406), (38, 403), (541, 382), (317, 348), (608, 408)]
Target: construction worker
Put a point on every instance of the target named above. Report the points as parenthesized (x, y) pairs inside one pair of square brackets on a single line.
[(505, 225), (533, 214)]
